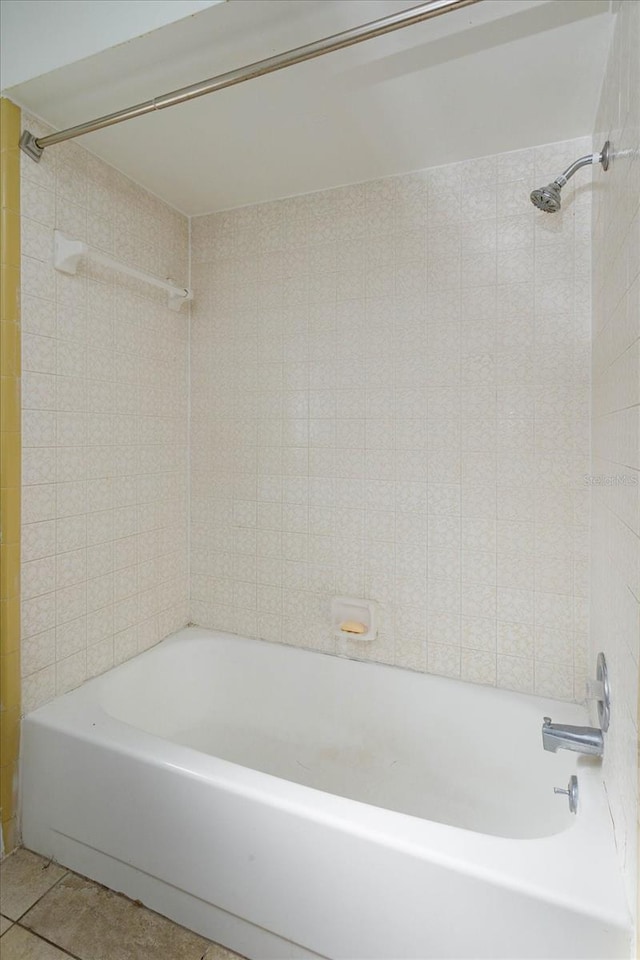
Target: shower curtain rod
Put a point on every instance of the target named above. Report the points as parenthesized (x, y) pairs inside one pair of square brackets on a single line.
[(35, 146)]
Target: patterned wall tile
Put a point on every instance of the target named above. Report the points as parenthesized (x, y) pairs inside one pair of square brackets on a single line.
[(104, 427), (384, 383)]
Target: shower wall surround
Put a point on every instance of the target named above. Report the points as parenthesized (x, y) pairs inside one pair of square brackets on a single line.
[(105, 403), (390, 399), (615, 582)]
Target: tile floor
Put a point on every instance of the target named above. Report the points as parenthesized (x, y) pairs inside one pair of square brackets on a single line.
[(49, 913)]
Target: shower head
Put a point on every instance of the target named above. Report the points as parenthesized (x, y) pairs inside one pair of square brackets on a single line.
[(548, 198)]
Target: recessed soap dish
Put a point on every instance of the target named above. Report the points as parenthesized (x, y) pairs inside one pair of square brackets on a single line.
[(354, 618)]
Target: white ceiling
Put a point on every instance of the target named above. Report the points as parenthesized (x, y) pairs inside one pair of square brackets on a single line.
[(42, 35), (495, 76)]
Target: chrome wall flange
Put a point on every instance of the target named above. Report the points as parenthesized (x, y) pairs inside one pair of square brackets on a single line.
[(30, 146), (605, 155)]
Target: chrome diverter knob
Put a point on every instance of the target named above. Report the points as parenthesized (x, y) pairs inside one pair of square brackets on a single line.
[(571, 792)]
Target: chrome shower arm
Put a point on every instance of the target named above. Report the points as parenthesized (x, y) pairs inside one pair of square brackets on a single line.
[(576, 165), (602, 157)]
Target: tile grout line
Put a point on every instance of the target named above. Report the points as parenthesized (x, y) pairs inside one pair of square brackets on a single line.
[(52, 943), (48, 890)]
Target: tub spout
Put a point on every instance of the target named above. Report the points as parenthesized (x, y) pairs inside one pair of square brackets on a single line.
[(561, 736)]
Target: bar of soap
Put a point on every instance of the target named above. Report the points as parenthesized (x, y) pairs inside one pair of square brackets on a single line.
[(352, 626)]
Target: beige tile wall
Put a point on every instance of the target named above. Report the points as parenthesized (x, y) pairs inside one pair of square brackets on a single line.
[(390, 399), (105, 401), (615, 582)]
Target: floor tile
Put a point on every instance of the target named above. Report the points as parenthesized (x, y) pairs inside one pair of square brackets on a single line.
[(24, 878), (94, 923), (19, 944), (5, 923)]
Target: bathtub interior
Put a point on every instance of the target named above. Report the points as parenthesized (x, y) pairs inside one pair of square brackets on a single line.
[(429, 747)]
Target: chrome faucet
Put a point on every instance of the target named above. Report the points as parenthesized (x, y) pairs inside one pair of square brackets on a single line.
[(562, 736)]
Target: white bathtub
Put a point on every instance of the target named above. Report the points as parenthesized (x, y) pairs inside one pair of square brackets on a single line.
[(291, 804)]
